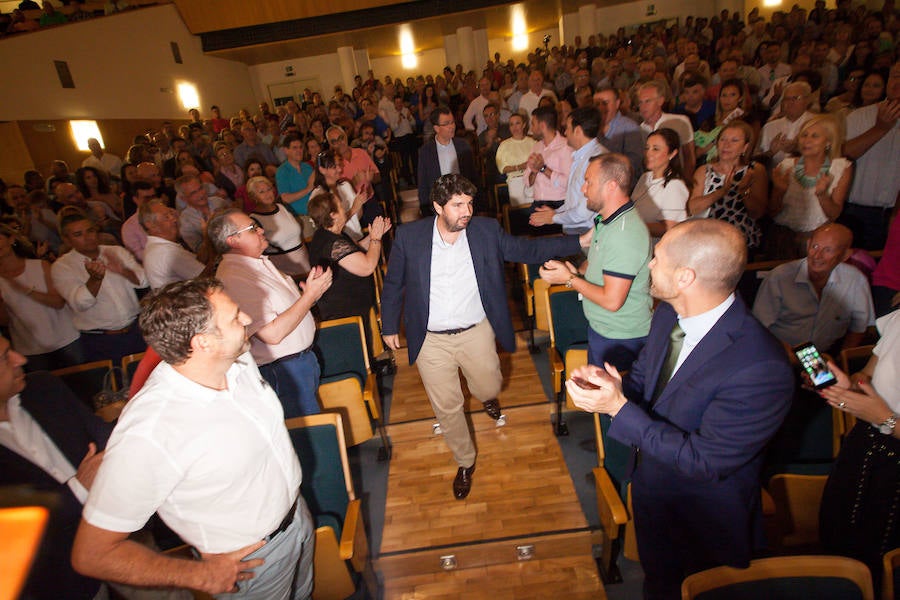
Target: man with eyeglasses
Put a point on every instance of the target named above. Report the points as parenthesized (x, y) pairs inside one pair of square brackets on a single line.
[(358, 165), (98, 283), (779, 136), (199, 208), (282, 328), (442, 155)]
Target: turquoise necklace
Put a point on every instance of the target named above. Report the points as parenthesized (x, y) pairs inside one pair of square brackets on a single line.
[(805, 180)]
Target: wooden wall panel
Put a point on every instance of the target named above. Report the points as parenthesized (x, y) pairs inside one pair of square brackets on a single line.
[(213, 15), (15, 158), (43, 147)]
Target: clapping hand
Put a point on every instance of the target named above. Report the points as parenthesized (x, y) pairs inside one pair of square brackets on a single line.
[(317, 282), (597, 390)]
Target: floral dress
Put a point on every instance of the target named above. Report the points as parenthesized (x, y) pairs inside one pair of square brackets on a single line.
[(731, 208)]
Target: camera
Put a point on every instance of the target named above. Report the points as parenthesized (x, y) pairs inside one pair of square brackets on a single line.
[(546, 39)]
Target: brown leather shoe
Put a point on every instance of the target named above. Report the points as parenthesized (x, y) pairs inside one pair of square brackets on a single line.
[(463, 482), (492, 408)]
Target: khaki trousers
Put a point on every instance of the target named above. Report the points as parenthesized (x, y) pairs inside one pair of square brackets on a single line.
[(442, 356)]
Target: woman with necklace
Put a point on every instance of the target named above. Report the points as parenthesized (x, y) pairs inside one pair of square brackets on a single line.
[(809, 190), (39, 321), (732, 189)]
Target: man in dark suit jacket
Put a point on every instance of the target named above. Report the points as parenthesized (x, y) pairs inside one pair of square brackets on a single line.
[(698, 435), (446, 276), (62, 419), (456, 152)]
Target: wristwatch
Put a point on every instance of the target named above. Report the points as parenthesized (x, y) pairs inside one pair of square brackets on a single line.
[(542, 169), (887, 428), (573, 277)]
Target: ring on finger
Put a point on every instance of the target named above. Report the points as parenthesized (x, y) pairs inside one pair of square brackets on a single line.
[(842, 404)]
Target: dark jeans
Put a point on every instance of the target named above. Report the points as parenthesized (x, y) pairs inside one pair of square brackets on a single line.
[(619, 353), (68, 356), (295, 379), (100, 346)]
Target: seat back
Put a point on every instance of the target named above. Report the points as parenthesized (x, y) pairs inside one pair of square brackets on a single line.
[(327, 487), (342, 344), (783, 578), (797, 499), (130, 364), (87, 379), (568, 325)]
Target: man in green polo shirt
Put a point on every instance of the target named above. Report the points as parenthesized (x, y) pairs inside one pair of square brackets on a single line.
[(614, 280)]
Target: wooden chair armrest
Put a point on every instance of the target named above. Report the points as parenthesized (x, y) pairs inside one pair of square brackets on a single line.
[(557, 367), (613, 513), (354, 545), (370, 395)]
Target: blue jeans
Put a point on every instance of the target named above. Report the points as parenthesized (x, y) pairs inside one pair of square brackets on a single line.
[(287, 573), (618, 353), (295, 380)]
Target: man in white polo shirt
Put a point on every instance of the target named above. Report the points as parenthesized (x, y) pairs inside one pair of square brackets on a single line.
[(204, 445)]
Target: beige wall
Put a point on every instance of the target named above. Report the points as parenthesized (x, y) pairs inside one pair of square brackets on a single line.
[(122, 66)]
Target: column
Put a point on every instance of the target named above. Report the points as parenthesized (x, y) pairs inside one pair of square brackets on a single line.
[(347, 60), (465, 40), (587, 16), (451, 50)]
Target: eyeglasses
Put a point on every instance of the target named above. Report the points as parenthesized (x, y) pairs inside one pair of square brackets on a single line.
[(335, 140), (253, 227), (447, 124)]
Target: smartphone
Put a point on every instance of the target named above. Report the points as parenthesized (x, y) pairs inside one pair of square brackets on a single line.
[(812, 362), (585, 384)]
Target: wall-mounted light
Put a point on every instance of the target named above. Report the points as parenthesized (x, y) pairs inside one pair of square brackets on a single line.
[(771, 2), (408, 57), (519, 29), (187, 92), (82, 131)]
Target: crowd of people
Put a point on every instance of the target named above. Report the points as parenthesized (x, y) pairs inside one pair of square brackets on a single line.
[(30, 16), (711, 140)]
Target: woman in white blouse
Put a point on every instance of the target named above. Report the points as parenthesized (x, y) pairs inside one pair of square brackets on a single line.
[(285, 236), (809, 190), (661, 193)]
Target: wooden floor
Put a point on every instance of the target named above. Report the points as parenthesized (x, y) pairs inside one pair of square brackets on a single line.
[(522, 495)]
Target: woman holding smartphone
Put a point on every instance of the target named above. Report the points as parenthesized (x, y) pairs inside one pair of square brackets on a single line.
[(860, 514)]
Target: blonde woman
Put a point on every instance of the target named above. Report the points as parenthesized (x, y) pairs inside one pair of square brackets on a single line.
[(808, 190)]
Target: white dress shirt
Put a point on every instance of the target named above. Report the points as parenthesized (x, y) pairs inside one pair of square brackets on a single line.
[(115, 306), (695, 329), (24, 436), (217, 465), (453, 300), (166, 262)]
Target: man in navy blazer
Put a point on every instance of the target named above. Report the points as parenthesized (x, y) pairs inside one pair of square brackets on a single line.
[(698, 436), (79, 436), (446, 277), (455, 156)]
